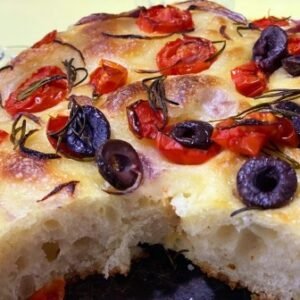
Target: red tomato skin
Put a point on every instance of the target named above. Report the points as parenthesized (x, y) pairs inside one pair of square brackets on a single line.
[(47, 39), (161, 19), (249, 80), (3, 136), (239, 140), (294, 45), (249, 140), (176, 153), (285, 133), (268, 21), (185, 56), (42, 98), (54, 125), (51, 291), (143, 121), (108, 77)]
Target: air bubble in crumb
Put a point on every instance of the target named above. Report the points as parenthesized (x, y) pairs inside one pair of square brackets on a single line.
[(190, 268)]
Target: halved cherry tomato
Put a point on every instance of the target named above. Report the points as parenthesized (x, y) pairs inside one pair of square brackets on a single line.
[(163, 19), (179, 154), (240, 139), (47, 39), (294, 45), (249, 80), (108, 77), (3, 135), (250, 139), (143, 121), (185, 56), (278, 129), (52, 291), (42, 96), (285, 133), (271, 20)]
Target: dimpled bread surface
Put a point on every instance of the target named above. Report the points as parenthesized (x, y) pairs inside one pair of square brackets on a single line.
[(179, 206)]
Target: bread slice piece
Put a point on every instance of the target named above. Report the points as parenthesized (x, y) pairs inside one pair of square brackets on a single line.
[(81, 229), (255, 249)]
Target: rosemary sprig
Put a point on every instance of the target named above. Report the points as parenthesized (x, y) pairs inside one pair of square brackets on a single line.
[(71, 47), (31, 152), (30, 116), (219, 52), (273, 150), (250, 26), (77, 120), (243, 209), (38, 84), (72, 73), (281, 94), (144, 37), (136, 36), (157, 95), (278, 95), (1, 101), (68, 186), (19, 137), (17, 131)]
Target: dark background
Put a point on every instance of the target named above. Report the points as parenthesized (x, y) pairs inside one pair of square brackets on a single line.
[(161, 274)]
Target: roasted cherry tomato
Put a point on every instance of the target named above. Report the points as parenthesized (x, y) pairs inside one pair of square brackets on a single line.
[(249, 80), (52, 291), (179, 154), (250, 135), (143, 121), (3, 135), (45, 88), (185, 56), (285, 133), (294, 45), (47, 39), (271, 20), (55, 125), (240, 139), (108, 77), (163, 19)]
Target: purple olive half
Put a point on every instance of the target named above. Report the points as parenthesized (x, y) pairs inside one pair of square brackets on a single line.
[(87, 131), (266, 182), (270, 49), (193, 134), (120, 165), (292, 65)]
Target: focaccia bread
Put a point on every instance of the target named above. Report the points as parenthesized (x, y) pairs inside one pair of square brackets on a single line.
[(108, 141)]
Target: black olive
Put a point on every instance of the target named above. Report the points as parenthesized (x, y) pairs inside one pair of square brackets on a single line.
[(292, 65), (266, 182), (119, 164), (88, 130), (193, 134), (270, 48), (290, 106)]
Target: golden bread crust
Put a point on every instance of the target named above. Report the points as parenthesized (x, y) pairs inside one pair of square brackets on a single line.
[(183, 207)]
